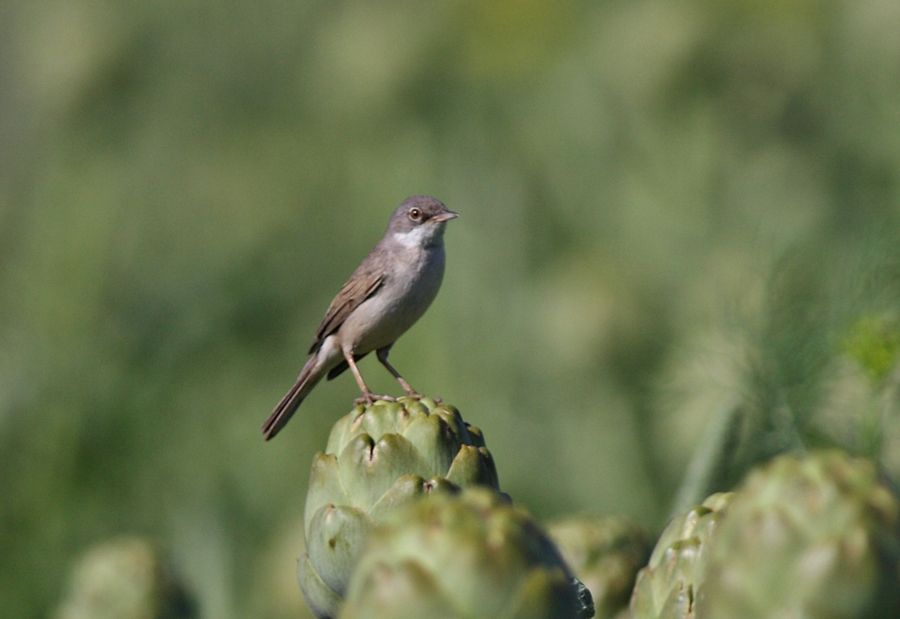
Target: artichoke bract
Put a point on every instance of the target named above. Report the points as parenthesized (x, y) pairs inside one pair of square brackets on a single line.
[(463, 556), (605, 553), (668, 587), (380, 456), (812, 536)]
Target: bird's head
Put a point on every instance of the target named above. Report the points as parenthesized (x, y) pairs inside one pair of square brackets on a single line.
[(420, 221)]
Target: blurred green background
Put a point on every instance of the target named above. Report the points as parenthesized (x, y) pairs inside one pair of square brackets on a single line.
[(669, 210)]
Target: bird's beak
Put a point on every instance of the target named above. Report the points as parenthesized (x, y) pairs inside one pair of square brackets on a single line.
[(445, 216)]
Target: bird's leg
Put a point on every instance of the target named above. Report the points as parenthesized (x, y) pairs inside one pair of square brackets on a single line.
[(367, 396), (382, 355)]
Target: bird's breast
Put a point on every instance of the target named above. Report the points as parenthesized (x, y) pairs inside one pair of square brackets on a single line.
[(413, 279)]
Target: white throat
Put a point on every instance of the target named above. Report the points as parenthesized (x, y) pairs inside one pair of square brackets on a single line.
[(417, 237)]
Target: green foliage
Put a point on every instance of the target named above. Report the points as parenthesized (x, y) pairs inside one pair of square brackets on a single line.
[(471, 556), (808, 363), (379, 457), (874, 342)]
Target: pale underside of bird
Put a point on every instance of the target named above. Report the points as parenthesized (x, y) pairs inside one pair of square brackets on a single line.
[(386, 294)]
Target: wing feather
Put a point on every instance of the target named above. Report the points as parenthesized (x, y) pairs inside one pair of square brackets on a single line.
[(364, 282)]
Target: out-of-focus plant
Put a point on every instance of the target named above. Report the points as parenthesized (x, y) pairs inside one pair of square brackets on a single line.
[(814, 535), (667, 588), (806, 536), (874, 343), (810, 361), (466, 556), (605, 553), (125, 578)]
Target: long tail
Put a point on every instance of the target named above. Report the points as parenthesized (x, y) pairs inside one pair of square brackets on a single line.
[(285, 408)]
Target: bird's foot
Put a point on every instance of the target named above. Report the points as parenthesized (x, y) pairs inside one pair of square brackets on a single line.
[(412, 394), (370, 398)]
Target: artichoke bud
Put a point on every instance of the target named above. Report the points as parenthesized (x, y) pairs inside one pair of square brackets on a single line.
[(473, 465), (667, 588), (810, 536), (341, 530), (468, 555), (379, 457), (605, 553), (126, 578)]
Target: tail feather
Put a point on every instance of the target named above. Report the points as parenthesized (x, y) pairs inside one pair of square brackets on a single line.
[(283, 411)]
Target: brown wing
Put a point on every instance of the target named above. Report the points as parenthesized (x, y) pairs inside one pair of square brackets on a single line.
[(364, 282)]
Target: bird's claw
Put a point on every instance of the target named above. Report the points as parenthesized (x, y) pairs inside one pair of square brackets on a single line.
[(371, 398)]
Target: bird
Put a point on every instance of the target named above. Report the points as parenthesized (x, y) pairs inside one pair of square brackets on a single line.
[(386, 294)]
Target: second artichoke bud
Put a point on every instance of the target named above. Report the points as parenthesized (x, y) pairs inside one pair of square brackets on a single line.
[(472, 555), (605, 553), (667, 587), (378, 457)]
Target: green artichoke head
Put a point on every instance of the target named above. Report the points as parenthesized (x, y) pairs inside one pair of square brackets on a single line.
[(470, 555), (378, 457), (605, 553), (810, 536), (667, 588), (125, 578)]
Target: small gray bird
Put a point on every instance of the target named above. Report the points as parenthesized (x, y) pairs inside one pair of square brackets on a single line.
[(383, 298)]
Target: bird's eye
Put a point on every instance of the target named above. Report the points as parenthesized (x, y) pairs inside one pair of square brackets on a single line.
[(415, 214)]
